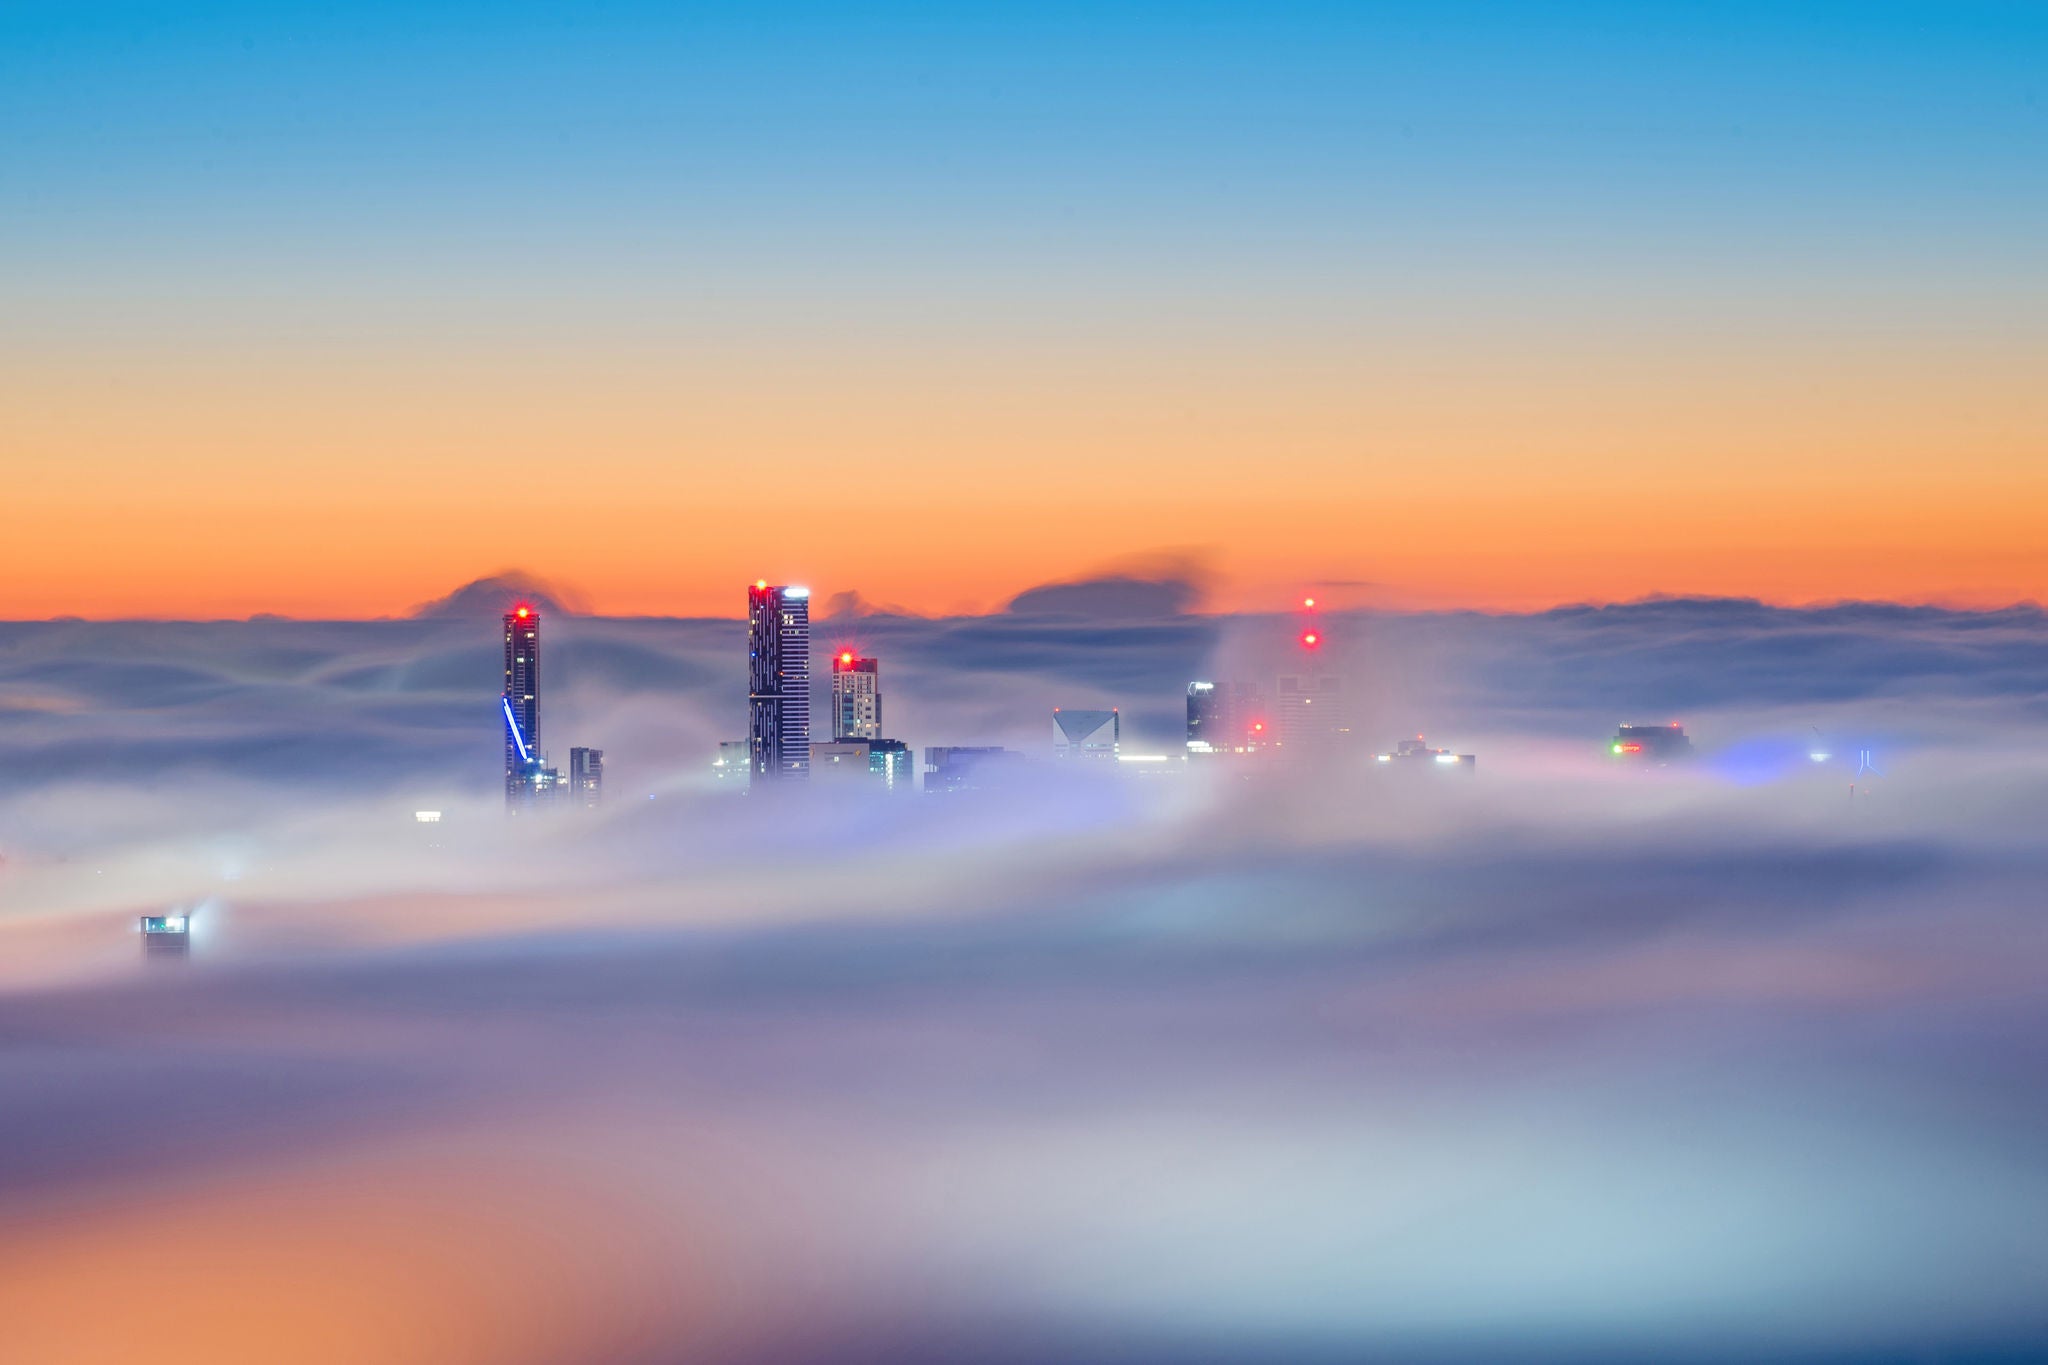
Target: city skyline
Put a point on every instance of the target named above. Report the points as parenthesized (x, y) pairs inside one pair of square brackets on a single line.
[(1038, 977), (1251, 680)]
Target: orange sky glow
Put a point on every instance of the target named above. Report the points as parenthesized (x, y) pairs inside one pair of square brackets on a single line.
[(331, 483)]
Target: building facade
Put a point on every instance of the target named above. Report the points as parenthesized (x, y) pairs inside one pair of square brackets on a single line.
[(779, 682), (892, 764), (839, 760), (856, 697), (884, 763)]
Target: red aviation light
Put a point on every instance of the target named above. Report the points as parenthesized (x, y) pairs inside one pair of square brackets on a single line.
[(525, 612), (1309, 639), (1309, 603), (845, 657)]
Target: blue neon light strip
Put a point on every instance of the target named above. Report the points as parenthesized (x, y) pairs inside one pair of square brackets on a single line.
[(517, 738)]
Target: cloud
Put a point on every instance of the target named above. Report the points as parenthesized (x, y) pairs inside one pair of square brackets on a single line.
[(1143, 587), (1255, 1064), (489, 598)]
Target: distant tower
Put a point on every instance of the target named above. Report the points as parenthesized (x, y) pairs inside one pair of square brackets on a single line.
[(856, 697), (779, 681), (586, 777), (520, 705)]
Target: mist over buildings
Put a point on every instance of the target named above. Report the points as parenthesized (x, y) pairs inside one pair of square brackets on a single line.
[(1559, 1062)]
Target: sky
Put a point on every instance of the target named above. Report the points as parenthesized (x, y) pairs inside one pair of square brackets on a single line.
[(323, 310), (1553, 1061)]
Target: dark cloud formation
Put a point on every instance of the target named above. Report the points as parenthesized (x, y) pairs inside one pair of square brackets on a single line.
[(1115, 598), (1162, 583), (1561, 1061), (485, 598)]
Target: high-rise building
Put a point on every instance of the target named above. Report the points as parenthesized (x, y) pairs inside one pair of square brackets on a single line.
[(521, 705), (1086, 734), (586, 777), (779, 682), (856, 697), (1310, 712)]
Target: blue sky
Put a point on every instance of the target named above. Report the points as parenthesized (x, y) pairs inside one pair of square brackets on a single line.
[(1251, 130)]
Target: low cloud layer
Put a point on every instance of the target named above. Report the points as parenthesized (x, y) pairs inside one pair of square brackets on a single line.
[(1555, 1061)]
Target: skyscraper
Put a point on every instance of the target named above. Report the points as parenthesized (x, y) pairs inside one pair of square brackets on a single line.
[(856, 697), (520, 704), (586, 777), (779, 681)]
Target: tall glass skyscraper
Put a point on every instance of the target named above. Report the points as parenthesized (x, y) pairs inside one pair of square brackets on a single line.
[(520, 706), (779, 681), (856, 697)]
